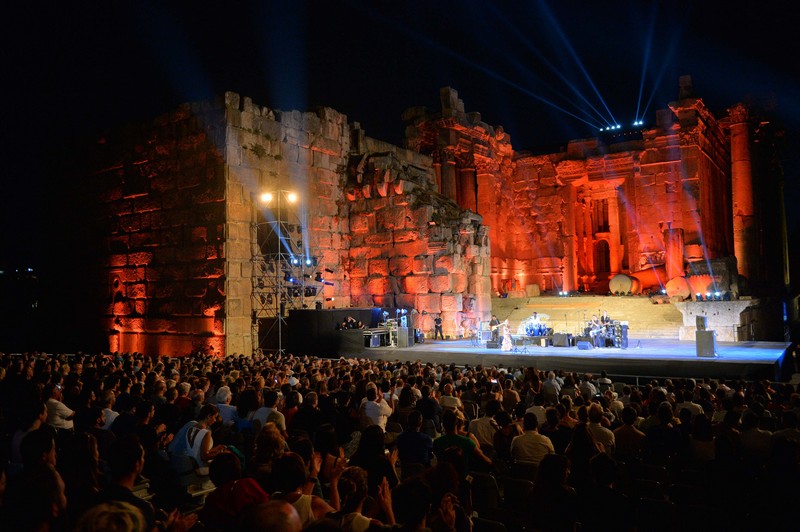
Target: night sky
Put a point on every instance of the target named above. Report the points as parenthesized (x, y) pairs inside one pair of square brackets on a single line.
[(547, 72)]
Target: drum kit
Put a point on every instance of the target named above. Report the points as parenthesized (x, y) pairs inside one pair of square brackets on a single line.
[(534, 326)]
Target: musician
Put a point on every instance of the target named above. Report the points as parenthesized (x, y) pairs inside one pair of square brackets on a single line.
[(605, 319), (508, 344), (494, 324), (595, 329), (437, 328)]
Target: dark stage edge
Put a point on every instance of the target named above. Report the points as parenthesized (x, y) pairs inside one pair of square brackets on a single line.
[(643, 358)]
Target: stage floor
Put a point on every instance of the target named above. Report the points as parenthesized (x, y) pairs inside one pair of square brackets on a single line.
[(643, 358)]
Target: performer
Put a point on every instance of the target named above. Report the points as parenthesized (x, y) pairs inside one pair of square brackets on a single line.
[(595, 329), (470, 331), (605, 319), (437, 328), (507, 344), (494, 325)]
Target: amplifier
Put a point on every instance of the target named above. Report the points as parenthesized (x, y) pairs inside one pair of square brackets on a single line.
[(492, 345)]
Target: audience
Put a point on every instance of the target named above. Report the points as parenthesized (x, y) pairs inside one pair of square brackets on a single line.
[(83, 432)]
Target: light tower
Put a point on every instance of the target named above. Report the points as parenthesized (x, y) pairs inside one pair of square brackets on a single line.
[(282, 270)]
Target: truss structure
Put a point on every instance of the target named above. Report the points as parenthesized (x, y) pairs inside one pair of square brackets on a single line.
[(284, 274)]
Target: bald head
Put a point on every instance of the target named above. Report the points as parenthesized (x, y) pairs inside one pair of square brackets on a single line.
[(272, 516)]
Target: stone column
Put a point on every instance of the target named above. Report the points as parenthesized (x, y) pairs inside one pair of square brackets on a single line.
[(467, 191), (448, 175), (614, 259), (570, 240), (673, 260), (742, 190)]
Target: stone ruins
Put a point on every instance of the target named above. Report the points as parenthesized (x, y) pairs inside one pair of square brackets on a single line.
[(442, 225)]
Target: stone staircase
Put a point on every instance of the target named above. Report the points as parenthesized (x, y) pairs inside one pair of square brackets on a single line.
[(570, 314)]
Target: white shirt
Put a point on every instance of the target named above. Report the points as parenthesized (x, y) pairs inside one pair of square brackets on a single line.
[(378, 413), (57, 414), (265, 414)]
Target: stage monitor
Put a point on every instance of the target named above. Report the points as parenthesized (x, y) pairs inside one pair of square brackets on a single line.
[(706, 343)]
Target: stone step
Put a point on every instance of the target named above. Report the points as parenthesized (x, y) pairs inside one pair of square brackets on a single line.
[(570, 314)]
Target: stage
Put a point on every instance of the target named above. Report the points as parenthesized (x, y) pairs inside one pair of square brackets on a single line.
[(642, 359)]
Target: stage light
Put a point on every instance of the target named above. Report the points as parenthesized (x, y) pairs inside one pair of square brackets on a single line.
[(266, 197), (310, 291), (664, 291), (328, 270), (328, 299), (708, 295), (716, 296), (318, 277), (292, 197), (295, 261), (698, 296)]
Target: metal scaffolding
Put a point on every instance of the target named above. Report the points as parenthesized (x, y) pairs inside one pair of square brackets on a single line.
[(284, 274)]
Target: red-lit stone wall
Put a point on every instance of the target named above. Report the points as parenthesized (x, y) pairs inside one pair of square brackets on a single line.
[(162, 216), (573, 219), (410, 246), (179, 201)]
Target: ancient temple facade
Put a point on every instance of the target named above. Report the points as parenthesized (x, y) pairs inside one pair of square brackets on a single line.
[(646, 204), (439, 225)]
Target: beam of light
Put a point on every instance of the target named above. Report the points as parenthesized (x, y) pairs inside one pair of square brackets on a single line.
[(486, 70), (571, 51), (170, 46), (647, 48), (513, 29), (284, 52)]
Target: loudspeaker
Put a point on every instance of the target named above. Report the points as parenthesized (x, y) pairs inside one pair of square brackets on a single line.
[(492, 345), (624, 341), (402, 337), (706, 343), (702, 322), (561, 340), (584, 346)]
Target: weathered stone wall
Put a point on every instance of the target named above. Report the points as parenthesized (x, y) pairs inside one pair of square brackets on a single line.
[(573, 219), (268, 151), (410, 246), (162, 216)]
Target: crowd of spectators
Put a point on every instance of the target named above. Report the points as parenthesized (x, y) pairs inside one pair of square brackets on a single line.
[(303, 443)]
